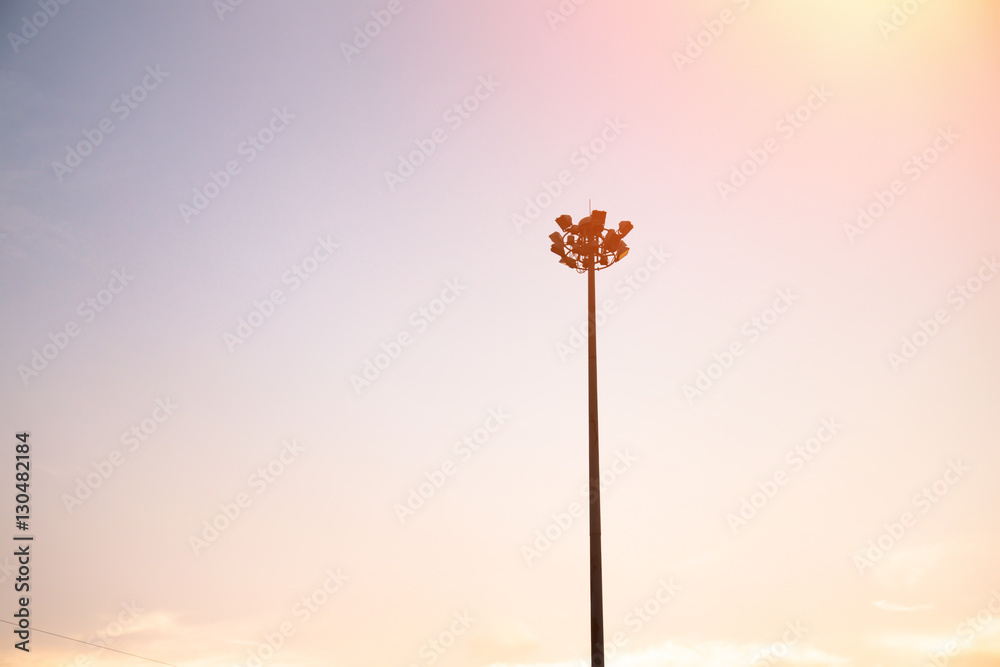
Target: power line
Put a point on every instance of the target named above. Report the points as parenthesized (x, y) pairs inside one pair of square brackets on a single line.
[(80, 641)]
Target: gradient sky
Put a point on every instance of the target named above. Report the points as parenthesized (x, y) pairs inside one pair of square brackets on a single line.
[(642, 109)]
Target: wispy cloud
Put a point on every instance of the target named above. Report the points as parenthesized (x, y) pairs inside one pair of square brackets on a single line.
[(892, 606), (701, 654)]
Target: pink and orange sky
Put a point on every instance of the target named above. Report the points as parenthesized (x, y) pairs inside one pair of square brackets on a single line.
[(304, 382)]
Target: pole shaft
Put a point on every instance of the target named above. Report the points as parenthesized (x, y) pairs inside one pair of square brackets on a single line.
[(596, 586)]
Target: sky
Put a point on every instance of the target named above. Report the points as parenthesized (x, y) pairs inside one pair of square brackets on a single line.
[(304, 384)]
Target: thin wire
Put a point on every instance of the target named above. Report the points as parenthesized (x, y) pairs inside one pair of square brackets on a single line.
[(80, 641)]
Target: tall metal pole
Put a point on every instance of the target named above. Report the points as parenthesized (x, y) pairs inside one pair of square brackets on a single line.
[(596, 586), (589, 246)]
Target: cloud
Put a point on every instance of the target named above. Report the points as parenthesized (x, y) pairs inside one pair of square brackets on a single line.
[(702, 654)]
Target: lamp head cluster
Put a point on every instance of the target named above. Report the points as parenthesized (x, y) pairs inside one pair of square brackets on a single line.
[(588, 244)]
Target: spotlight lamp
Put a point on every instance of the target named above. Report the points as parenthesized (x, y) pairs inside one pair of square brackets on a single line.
[(589, 244)]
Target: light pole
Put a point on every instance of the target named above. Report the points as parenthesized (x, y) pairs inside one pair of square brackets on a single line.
[(588, 247)]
